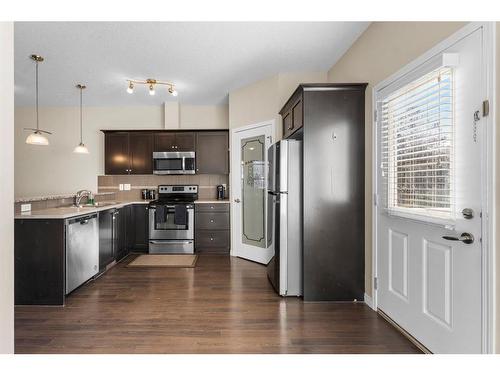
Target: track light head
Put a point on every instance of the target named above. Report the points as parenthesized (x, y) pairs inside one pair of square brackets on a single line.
[(130, 88)]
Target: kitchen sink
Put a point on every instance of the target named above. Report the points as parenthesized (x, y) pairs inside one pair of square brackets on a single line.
[(97, 205), (100, 204)]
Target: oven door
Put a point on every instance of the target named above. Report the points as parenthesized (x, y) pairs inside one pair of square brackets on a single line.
[(167, 229)]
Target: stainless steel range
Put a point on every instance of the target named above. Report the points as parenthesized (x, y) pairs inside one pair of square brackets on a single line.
[(171, 220)]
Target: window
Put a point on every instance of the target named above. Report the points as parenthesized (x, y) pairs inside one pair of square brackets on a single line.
[(417, 125)]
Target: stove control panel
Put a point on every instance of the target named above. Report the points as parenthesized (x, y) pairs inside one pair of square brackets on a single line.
[(178, 189)]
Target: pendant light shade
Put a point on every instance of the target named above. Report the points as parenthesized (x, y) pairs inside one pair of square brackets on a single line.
[(37, 138), (81, 148)]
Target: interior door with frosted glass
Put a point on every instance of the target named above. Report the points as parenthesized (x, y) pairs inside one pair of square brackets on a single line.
[(429, 253), (249, 184)]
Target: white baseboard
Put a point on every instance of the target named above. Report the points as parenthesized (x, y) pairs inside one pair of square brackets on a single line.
[(369, 301)]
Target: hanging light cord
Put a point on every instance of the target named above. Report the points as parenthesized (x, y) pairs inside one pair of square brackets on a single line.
[(36, 95), (81, 117)]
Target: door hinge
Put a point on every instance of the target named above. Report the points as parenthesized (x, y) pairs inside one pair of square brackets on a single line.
[(375, 199), (486, 108), (375, 283), (375, 114)]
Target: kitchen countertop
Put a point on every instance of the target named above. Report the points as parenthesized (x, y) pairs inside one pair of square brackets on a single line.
[(69, 211), (56, 196), (211, 201)]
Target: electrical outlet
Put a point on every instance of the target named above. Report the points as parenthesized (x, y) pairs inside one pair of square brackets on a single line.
[(126, 186), (120, 187), (26, 207)]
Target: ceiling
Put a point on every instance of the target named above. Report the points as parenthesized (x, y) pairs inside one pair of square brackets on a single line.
[(206, 60)]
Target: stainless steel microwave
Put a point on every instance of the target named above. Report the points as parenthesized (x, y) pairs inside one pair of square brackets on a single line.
[(174, 162)]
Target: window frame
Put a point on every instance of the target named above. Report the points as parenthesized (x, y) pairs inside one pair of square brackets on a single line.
[(417, 214)]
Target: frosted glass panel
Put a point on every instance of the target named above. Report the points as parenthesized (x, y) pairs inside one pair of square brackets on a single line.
[(253, 190)]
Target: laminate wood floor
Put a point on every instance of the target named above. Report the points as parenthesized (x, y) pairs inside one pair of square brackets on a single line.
[(224, 305)]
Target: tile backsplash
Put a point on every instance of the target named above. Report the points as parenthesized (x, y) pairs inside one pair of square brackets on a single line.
[(207, 184)]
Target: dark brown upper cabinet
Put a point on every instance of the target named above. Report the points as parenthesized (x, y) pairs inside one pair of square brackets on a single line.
[(116, 158), (212, 153), (128, 153), (182, 141), (292, 115), (141, 153)]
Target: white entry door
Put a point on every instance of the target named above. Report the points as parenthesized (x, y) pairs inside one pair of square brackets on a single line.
[(248, 191), (429, 198)]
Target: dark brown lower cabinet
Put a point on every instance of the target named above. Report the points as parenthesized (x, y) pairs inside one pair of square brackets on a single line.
[(121, 232), (105, 238), (212, 228), (139, 228), (39, 262), (40, 251)]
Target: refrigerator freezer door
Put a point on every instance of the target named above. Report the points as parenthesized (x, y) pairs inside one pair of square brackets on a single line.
[(271, 159)]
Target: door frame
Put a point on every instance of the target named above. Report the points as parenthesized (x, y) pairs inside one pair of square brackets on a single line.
[(488, 272), (232, 169)]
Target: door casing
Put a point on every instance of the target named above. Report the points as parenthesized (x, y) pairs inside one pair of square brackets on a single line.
[(488, 157), (234, 168)]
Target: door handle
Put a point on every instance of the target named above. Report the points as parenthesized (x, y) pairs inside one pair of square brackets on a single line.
[(465, 237), (237, 200)]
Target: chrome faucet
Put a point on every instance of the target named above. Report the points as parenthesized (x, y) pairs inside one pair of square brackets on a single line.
[(79, 196)]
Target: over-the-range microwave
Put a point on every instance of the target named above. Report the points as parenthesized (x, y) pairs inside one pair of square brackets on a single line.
[(174, 162)]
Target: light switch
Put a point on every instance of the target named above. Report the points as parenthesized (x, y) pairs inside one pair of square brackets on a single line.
[(120, 187), (126, 186)]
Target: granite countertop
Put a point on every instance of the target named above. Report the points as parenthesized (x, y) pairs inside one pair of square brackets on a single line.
[(69, 211)]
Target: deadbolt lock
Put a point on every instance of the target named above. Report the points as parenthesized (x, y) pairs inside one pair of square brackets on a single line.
[(468, 213)]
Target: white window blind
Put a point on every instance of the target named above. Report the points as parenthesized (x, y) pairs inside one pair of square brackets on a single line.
[(417, 134)]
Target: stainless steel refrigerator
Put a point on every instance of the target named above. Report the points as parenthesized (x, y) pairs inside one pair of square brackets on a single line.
[(284, 224)]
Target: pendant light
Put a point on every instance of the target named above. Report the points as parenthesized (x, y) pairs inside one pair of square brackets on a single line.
[(81, 148), (37, 138)]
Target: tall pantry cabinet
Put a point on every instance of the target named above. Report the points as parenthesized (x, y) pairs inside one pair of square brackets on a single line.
[(330, 119)]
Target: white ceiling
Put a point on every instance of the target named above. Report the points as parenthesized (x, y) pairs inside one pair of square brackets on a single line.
[(205, 60)]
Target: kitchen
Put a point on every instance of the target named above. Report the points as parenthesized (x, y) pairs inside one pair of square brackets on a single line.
[(168, 203)]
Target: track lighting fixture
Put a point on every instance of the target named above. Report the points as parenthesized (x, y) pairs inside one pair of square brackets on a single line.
[(151, 83)]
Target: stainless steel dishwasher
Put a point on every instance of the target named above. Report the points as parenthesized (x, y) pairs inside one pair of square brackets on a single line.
[(82, 250)]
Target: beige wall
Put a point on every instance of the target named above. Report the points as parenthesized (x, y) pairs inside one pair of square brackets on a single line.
[(57, 170), (204, 116), (7, 188), (254, 103), (383, 49), (263, 100)]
